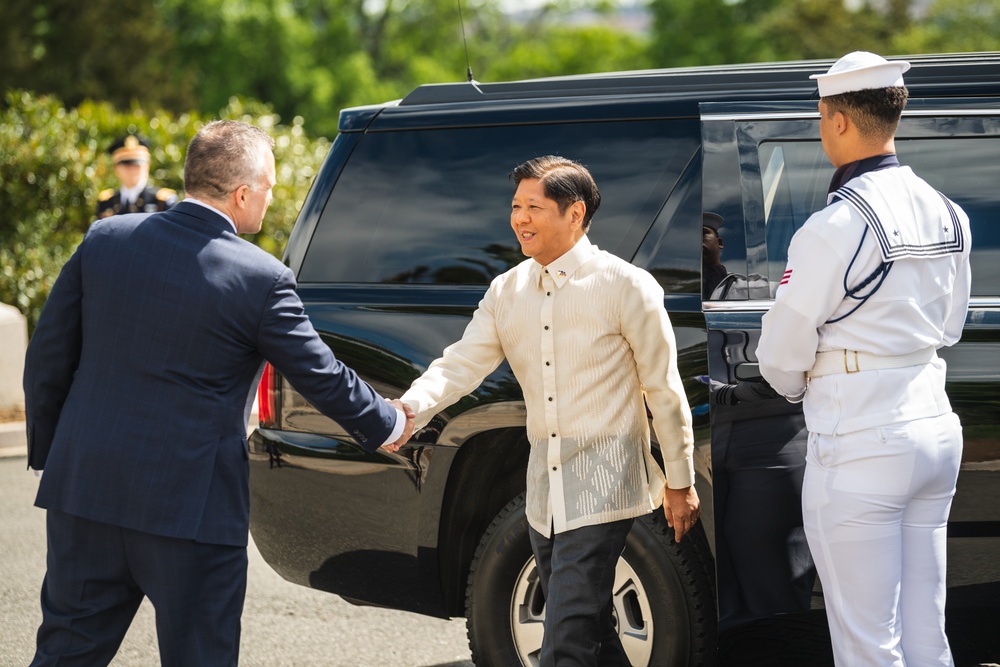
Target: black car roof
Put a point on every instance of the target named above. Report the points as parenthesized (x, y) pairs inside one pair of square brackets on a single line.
[(963, 74)]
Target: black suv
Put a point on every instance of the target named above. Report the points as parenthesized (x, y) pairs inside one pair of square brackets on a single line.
[(407, 223)]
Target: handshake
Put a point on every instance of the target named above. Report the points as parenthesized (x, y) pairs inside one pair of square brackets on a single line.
[(407, 430)]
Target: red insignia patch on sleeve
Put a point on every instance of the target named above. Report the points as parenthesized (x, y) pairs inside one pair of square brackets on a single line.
[(785, 278)]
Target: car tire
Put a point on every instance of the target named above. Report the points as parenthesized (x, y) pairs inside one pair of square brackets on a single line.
[(664, 596)]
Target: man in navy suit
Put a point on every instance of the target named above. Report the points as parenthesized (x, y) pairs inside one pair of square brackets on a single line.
[(139, 380)]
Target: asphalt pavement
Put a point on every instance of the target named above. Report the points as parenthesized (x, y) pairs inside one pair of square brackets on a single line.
[(284, 625)]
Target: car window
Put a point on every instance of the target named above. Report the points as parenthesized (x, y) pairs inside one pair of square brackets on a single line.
[(433, 206), (795, 176), (672, 250)]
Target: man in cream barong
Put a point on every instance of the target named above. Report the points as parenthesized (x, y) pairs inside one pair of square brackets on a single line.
[(590, 343), (875, 284)]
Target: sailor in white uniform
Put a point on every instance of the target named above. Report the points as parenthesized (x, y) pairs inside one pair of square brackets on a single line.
[(876, 282)]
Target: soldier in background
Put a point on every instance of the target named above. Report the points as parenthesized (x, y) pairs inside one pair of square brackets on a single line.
[(130, 155), (712, 269)]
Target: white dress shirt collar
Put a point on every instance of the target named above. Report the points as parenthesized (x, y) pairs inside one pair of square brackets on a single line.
[(212, 208), (131, 194), (563, 268)]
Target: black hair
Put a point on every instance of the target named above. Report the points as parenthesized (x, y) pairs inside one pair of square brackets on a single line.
[(563, 181), (874, 111)]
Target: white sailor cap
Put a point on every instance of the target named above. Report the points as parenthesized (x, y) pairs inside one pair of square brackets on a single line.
[(860, 70)]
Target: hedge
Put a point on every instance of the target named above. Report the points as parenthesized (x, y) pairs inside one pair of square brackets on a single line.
[(54, 162)]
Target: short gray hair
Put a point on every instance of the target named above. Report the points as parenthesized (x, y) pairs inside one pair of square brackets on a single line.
[(224, 155)]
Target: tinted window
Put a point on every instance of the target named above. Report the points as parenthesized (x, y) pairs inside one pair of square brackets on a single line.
[(433, 206), (674, 242), (795, 177)]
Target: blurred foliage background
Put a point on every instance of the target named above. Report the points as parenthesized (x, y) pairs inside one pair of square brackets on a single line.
[(53, 162), (77, 75)]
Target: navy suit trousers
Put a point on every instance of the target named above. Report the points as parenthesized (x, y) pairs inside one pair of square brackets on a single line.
[(98, 575), (577, 572)]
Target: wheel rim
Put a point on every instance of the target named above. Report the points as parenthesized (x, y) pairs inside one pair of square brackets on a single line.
[(632, 615)]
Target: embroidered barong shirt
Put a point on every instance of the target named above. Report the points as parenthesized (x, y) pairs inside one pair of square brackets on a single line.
[(588, 339)]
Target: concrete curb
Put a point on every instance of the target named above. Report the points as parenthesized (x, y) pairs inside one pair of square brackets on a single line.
[(13, 439)]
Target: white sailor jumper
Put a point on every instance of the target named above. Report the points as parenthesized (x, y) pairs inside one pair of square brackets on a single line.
[(884, 446)]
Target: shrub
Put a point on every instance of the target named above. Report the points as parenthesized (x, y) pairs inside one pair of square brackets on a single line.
[(54, 162)]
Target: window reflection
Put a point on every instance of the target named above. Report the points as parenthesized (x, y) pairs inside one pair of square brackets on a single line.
[(796, 176), (433, 206)]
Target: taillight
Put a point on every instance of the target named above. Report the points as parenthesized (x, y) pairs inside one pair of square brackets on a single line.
[(267, 398)]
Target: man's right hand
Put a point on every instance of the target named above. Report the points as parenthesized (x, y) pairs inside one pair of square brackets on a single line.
[(407, 430)]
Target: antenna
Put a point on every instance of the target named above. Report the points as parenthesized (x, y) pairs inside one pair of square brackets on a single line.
[(468, 62)]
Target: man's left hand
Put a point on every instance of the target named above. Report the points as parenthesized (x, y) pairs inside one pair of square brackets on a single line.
[(682, 509)]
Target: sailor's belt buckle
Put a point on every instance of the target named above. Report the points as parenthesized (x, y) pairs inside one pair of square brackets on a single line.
[(847, 367)]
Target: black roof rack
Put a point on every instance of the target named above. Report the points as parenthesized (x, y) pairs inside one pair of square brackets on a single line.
[(942, 70)]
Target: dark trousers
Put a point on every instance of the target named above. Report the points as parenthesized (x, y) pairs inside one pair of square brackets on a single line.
[(577, 573), (97, 575)]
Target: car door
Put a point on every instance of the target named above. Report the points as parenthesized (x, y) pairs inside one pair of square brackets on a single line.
[(774, 175)]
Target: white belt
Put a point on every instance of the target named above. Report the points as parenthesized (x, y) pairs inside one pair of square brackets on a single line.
[(849, 361)]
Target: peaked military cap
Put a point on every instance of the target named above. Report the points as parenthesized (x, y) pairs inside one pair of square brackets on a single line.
[(130, 148)]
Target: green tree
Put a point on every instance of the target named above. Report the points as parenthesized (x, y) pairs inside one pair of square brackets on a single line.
[(767, 30), (53, 162), (236, 48), (306, 58), (952, 25), (808, 29), (114, 50), (708, 32), (45, 176), (567, 50), (314, 57)]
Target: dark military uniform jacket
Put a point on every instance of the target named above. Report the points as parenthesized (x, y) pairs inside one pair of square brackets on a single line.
[(151, 199)]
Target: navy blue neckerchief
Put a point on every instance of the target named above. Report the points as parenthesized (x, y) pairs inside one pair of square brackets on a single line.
[(853, 169), (840, 177)]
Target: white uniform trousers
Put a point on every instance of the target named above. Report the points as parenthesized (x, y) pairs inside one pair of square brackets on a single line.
[(875, 508)]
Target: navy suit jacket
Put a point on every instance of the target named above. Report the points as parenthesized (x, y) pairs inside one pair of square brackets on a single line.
[(140, 375)]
